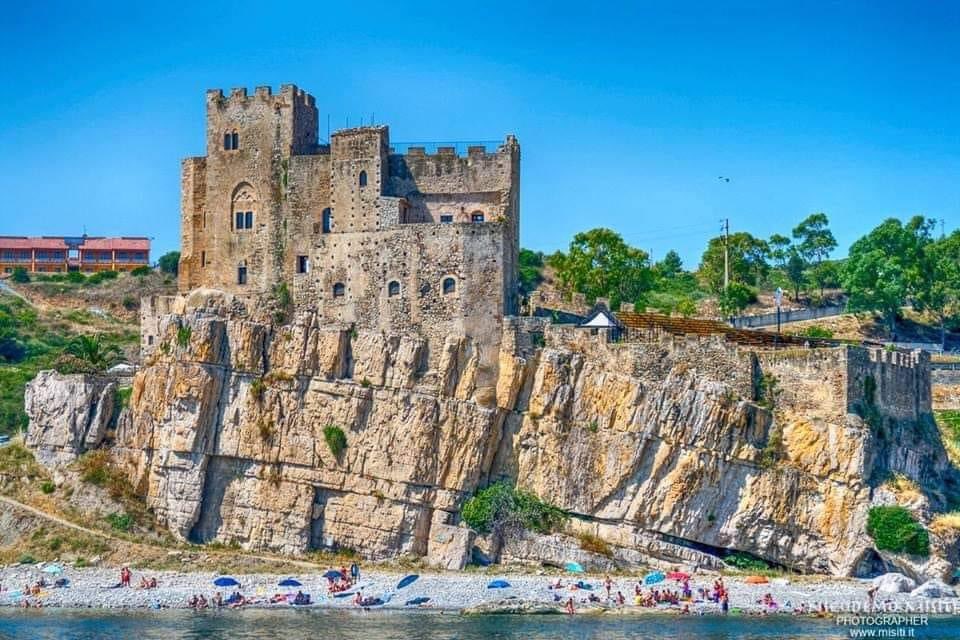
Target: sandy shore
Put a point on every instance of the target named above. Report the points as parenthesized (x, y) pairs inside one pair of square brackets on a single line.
[(89, 587)]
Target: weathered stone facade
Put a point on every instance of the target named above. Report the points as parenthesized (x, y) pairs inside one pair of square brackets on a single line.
[(363, 236)]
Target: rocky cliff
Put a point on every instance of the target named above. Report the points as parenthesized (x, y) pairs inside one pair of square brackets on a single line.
[(675, 448)]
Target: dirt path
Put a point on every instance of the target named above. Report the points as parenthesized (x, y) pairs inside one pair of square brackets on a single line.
[(102, 534)]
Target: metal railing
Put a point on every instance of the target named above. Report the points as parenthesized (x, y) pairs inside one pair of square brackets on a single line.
[(460, 147)]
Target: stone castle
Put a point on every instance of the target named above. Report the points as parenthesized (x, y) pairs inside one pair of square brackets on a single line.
[(359, 234), (674, 441)]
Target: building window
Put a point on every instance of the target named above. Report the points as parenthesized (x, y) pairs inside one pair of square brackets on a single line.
[(227, 141), (446, 218), (327, 220), (203, 258), (393, 289), (241, 275), (231, 141), (303, 265), (338, 290), (476, 216), (363, 179), (449, 286), (244, 204), (149, 340)]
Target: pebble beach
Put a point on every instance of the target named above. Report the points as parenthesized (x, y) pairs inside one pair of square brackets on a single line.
[(448, 592)]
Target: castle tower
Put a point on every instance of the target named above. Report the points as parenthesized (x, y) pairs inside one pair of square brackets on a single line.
[(358, 173)]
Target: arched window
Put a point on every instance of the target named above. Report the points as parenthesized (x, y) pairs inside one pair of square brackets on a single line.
[(339, 290), (244, 203), (393, 289), (449, 286), (327, 220), (234, 140), (363, 179)]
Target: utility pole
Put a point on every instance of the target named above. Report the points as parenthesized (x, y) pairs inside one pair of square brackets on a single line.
[(726, 253)]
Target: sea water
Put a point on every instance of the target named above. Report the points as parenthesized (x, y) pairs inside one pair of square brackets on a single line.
[(382, 625)]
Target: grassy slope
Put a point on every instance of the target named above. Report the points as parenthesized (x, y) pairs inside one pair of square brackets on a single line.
[(55, 312)]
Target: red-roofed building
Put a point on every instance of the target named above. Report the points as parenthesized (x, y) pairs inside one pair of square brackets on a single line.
[(59, 254)]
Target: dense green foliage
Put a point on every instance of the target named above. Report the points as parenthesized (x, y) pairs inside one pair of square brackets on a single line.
[(599, 264), (120, 521), (20, 275), (170, 262), (746, 562), (895, 529), (504, 510), (531, 269), (335, 438), (141, 271)]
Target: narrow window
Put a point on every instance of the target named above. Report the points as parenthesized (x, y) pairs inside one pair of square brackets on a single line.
[(449, 286), (446, 218), (338, 290), (476, 216), (227, 140), (363, 179), (239, 221), (393, 289), (303, 265), (249, 220), (149, 340), (235, 141), (327, 220), (241, 275), (203, 258)]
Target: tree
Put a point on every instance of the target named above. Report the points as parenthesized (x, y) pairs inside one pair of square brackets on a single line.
[(600, 264), (939, 287), (748, 263), (780, 250), (815, 242), (531, 268), (886, 266), (795, 270), (670, 266), (20, 275), (170, 262), (93, 351), (735, 298)]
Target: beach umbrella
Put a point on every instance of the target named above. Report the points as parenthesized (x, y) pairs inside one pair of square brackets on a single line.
[(573, 567), (333, 575), (52, 568), (407, 581), (654, 578), (756, 580), (678, 575), (226, 581), (289, 582), (498, 584), (416, 602)]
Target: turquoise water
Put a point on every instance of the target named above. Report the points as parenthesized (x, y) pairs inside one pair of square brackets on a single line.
[(293, 625)]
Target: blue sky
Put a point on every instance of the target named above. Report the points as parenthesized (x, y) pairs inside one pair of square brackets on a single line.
[(626, 113)]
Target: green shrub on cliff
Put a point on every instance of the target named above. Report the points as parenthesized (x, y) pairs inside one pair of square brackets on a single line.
[(895, 529), (335, 438), (503, 509)]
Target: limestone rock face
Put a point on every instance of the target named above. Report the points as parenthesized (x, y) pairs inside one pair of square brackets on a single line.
[(69, 414), (679, 449)]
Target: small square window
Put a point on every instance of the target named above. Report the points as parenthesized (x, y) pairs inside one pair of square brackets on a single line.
[(446, 218), (476, 217)]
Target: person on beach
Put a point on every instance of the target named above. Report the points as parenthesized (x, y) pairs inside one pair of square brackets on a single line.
[(725, 605), (608, 583), (355, 572), (620, 599), (217, 599), (569, 606), (871, 594), (358, 599)]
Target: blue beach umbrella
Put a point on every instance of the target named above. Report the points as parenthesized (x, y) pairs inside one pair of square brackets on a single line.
[(498, 584), (226, 581), (333, 575), (573, 567), (416, 602), (289, 582), (407, 581), (53, 568), (654, 578)]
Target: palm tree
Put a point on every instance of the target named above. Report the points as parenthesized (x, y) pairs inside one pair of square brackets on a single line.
[(92, 350)]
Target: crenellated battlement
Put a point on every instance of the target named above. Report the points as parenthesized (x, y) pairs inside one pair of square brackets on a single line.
[(289, 93)]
